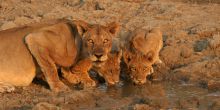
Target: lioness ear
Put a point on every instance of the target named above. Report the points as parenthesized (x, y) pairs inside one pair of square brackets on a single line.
[(150, 56), (113, 28), (126, 57), (82, 26), (119, 55)]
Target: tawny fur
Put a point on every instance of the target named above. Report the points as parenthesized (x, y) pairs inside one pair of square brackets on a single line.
[(52, 45), (110, 71), (79, 73), (17, 67), (141, 51)]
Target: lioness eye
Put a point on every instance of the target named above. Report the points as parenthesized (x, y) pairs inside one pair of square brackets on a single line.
[(105, 41), (90, 41)]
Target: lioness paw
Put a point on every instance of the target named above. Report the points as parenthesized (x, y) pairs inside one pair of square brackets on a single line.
[(5, 87), (88, 83), (69, 76), (60, 87)]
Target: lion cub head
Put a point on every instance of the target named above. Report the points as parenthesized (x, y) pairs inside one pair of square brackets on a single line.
[(141, 52), (97, 40), (139, 66), (110, 71)]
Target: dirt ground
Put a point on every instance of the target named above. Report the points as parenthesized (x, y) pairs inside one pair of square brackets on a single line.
[(191, 52)]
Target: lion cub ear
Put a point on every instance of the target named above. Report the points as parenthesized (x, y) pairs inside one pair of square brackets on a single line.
[(82, 26), (113, 28), (139, 41)]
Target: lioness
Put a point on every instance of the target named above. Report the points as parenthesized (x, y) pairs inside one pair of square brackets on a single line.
[(141, 52), (61, 44)]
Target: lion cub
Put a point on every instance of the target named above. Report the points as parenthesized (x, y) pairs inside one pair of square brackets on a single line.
[(110, 71), (141, 52)]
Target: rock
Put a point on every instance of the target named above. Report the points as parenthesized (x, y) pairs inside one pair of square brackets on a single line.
[(36, 19), (200, 45), (22, 20), (142, 107), (8, 25), (192, 102), (170, 55), (199, 53), (26, 1), (57, 100), (215, 105), (213, 85), (170, 41), (164, 37), (51, 16), (40, 13), (179, 35), (98, 6), (5, 87), (45, 106), (215, 41), (186, 52), (1, 23), (192, 31), (72, 3)]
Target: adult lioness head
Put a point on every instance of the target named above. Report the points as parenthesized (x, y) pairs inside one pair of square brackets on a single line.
[(97, 40)]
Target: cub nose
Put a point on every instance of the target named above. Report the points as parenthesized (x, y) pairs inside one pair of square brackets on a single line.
[(98, 55), (139, 81)]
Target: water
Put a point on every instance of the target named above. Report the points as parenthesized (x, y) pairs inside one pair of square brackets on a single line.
[(199, 1), (165, 95)]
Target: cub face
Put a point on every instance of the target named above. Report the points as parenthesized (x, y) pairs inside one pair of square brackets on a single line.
[(141, 52), (110, 71), (139, 67)]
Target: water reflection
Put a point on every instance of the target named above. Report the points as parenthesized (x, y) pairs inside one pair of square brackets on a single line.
[(163, 95)]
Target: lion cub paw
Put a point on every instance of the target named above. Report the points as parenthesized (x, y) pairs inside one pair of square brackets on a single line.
[(5, 87)]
